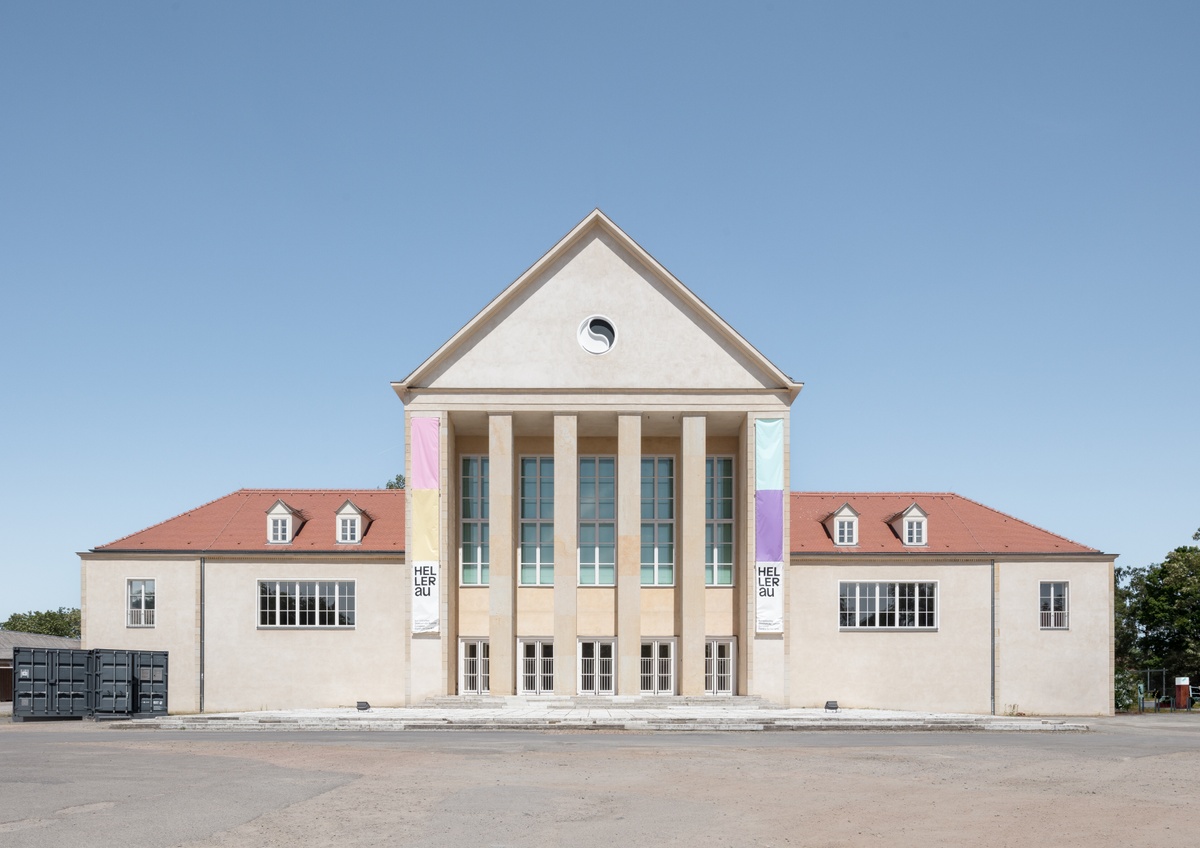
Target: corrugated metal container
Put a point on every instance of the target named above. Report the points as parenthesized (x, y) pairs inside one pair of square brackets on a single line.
[(103, 683), (50, 683), (151, 693)]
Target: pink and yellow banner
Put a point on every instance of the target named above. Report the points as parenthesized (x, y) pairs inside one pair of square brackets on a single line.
[(424, 487)]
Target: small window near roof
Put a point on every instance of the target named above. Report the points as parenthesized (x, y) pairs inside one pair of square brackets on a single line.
[(279, 530), (914, 531), (846, 531), (350, 523)]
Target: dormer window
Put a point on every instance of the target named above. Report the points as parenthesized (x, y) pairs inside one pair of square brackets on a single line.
[(911, 526), (350, 524), (842, 526), (283, 523)]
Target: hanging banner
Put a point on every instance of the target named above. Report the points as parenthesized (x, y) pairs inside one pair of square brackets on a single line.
[(768, 525), (768, 601), (424, 482), (426, 600)]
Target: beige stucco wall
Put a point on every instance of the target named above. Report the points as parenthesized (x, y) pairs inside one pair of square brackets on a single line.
[(248, 668), (1054, 672), (660, 342), (176, 622), (947, 670)]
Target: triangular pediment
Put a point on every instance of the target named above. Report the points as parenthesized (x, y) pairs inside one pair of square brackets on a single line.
[(597, 313)]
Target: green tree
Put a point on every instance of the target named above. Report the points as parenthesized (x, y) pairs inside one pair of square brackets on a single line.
[(59, 622), (1127, 644), (1165, 603), (396, 482)]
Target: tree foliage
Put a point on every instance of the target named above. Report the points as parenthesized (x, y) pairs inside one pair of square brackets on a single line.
[(1158, 614), (59, 622), (396, 482)]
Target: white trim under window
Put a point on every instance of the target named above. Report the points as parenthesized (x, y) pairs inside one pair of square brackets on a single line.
[(474, 667), (140, 603), (536, 546), (657, 670), (597, 521), (1054, 605), (658, 521), (306, 603), (597, 666), (474, 549), (536, 666), (887, 606), (720, 666), (718, 527)]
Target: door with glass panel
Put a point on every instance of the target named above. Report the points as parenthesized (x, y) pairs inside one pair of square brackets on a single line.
[(596, 667), (473, 662), (658, 667), (537, 666), (718, 667)]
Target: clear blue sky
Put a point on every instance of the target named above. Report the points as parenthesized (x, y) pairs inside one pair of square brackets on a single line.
[(973, 231)]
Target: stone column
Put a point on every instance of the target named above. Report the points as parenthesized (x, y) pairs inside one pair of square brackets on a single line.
[(629, 553), (566, 561), (502, 596), (689, 569)]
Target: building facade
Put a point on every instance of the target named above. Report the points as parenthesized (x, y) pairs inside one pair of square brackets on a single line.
[(598, 503)]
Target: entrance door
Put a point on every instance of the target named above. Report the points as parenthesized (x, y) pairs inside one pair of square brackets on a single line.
[(537, 666), (596, 667), (474, 664), (718, 667), (658, 667)]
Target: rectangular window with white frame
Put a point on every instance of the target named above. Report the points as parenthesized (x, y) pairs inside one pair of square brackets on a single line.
[(845, 531), (597, 521), (537, 521), (658, 521), (718, 527), (597, 666), (658, 667), (306, 603), (140, 612), (474, 667), (348, 530), (280, 530), (474, 522), (914, 531), (719, 667), (537, 666), (1054, 605), (887, 606)]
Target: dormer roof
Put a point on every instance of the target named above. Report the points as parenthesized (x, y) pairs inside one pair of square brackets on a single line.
[(234, 524), (958, 526)]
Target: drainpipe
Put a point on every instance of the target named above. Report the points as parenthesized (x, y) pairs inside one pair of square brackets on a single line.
[(201, 634), (993, 638)]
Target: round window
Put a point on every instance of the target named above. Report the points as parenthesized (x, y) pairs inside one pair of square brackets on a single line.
[(597, 335)]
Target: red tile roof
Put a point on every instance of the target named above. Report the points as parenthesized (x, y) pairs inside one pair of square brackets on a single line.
[(955, 525), (238, 522)]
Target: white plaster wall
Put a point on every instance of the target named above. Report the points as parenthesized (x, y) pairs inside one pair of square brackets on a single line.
[(948, 670), (660, 342), (1054, 672), (176, 621), (247, 668)]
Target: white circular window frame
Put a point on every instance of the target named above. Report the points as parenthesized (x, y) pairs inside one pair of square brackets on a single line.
[(588, 340)]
